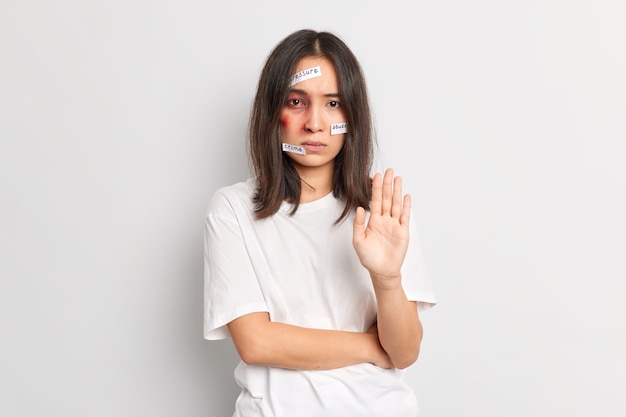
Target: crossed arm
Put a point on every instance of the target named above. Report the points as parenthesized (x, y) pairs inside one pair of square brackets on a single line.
[(394, 341)]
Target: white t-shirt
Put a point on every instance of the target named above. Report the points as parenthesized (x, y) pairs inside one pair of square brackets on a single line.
[(302, 270)]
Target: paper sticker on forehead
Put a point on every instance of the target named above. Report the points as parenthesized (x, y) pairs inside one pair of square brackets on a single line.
[(305, 74)]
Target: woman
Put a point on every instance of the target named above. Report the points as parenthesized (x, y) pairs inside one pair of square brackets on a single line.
[(308, 265)]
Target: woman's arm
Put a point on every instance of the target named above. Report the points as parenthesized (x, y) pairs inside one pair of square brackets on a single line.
[(381, 246), (262, 342), (399, 328)]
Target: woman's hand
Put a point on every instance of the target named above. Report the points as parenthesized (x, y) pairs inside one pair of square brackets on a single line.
[(381, 360), (382, 244)]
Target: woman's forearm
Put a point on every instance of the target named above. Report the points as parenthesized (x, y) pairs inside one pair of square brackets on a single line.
[(399, 328), (262, 342)]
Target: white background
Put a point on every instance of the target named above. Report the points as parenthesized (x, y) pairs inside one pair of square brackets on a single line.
[(119, 119)]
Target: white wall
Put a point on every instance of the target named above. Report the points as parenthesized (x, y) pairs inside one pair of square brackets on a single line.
[(118, 120)]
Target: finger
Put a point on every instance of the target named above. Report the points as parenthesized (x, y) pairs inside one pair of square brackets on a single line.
[(406, 211), (358, 225), (377, 194), (387, 191), (397, 207)]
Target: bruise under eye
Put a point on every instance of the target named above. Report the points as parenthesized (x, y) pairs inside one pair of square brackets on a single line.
[(295, 101)]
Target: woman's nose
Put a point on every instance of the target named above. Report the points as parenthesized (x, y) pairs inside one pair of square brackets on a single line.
[(315, 120)]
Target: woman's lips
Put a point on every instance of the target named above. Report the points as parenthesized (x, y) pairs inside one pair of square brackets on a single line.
[(313, 146)]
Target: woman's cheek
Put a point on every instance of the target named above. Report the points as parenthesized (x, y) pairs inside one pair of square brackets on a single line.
[(290, 121)]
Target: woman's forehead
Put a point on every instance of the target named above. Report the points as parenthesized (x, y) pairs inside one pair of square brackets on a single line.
[(311, 68)]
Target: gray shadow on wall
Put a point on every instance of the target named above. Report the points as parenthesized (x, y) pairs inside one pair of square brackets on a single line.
[(219, 361)]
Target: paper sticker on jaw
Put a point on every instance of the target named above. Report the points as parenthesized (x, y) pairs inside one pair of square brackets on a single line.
[(338, 128), (293, 148), (305, 74)]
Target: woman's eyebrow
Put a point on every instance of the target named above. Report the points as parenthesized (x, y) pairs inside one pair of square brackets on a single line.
[(298, 91)]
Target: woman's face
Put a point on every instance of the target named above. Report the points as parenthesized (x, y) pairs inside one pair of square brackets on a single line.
[(312, 108)]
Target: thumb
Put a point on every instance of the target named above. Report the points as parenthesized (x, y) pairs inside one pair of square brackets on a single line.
[(358, 225)]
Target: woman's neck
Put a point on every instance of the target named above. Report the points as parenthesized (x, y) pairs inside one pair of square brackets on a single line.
[(315, 184)]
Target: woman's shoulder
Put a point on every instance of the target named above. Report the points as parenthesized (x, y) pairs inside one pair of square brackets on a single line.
[(243, 188), (230, 196)]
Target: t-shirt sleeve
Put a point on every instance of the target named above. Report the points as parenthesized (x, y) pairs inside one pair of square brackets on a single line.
[(230, 285), (415, 278)]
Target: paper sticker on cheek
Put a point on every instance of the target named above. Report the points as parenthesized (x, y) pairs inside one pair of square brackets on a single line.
[(305, 75), (338, 128), (293, 148)]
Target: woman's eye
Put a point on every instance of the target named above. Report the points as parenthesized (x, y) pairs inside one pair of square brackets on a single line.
[(334, 104), (294, 102)]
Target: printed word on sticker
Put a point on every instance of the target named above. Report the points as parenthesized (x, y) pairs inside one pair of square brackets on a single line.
[(305, 75), (338, 128), (293, 148)]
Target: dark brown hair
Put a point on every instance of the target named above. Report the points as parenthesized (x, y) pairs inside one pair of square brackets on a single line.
[(277, 179)]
